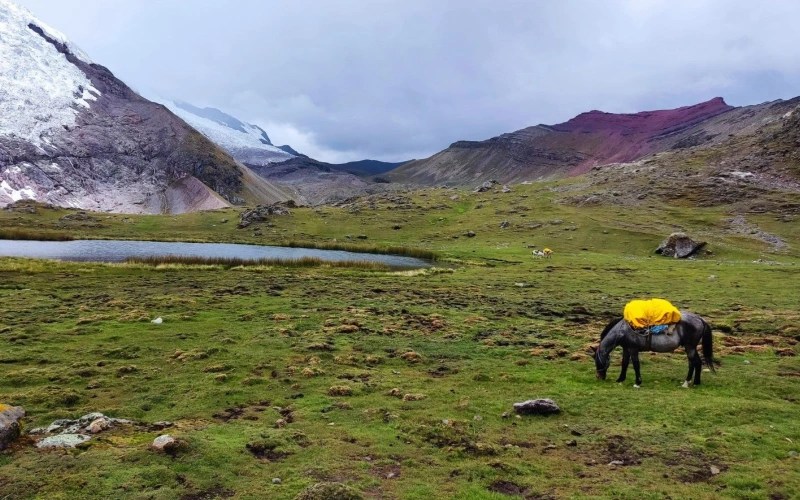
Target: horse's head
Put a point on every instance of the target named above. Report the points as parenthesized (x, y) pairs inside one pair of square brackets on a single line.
[(601, 361), (603, 352)]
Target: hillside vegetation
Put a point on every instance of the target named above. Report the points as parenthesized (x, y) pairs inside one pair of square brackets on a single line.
[(400, 384)]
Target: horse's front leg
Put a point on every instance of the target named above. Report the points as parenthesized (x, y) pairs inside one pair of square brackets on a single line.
[(635, 356), (626, 358)]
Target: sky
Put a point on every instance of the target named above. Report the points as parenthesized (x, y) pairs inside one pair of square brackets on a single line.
[(343, 80)]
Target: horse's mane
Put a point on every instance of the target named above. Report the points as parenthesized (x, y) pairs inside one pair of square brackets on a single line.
[(609, 326)]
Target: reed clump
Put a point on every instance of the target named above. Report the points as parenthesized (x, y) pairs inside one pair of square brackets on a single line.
[(419, 253), (231, 262), (26, 234)]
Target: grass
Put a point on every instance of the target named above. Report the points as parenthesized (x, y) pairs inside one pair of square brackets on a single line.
[(22, 234), (396, 383), (229, 262)]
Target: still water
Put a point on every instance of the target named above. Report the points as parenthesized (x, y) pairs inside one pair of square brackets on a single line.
[(119, 251)]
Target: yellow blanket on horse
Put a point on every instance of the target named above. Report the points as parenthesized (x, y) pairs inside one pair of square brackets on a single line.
[(647, 313)]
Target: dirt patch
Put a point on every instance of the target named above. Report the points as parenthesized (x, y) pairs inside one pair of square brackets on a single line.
[(507, 488), (620, 450), (266, 451), (694, 467), (209, 494), (247, 411), (511, 488)]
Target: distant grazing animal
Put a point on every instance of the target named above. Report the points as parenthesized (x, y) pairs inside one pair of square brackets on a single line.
[(538, 254), (689, 331), (547, 253)]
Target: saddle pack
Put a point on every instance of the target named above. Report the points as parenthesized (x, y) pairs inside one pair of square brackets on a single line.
[(653, 316)]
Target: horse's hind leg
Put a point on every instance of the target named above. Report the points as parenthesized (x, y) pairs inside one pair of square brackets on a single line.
[(635, 356), (698, 367), (695, 367), (626, 358)]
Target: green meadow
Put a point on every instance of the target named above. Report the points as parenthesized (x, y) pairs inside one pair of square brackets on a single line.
[(400, 384)]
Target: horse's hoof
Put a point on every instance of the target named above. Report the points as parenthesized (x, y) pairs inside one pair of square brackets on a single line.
[(636, 386), (685, 385)]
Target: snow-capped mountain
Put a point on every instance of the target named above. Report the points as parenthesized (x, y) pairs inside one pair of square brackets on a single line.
[(247, 143), (72, 134)]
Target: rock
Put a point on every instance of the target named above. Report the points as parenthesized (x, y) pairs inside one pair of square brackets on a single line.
[(572, 442), (470, 234), (485, 186), (157, 321), (537, 407), (715, 470), (329, 491), (616, 462), (505, 224), (262, 213), (157, 426), (276, 480), (679, 245), (506, 189), (9, 424), (165, 443), (99, 425), (62, 441)]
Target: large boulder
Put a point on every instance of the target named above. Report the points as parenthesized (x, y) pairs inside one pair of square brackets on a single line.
[(680, 246), (9, 424)]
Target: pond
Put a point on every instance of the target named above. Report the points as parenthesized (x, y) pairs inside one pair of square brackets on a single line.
[(120, 251)]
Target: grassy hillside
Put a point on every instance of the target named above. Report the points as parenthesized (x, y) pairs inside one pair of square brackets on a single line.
[(397, 383)]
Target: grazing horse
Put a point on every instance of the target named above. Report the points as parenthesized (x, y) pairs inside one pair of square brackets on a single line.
[(538, 254), (547, 253), (688, 332)]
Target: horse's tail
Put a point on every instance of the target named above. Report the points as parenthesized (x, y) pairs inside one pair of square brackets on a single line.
[(708, 346), (608, 327)]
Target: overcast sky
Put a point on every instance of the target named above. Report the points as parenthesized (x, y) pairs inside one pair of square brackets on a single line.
[(393, 80)]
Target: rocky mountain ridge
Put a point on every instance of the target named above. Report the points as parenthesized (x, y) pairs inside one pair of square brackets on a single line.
[(72, 134), (586, 141)]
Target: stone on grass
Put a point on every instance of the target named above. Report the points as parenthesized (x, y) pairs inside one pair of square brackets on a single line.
[(680, 246), (165, 443), (62, 441), (537, 407), (157, 321), (9, 424)]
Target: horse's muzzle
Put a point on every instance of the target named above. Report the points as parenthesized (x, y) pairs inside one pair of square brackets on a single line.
[(601, 375)]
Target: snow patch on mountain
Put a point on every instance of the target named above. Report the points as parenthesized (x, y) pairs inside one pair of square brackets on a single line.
[(245, 142), (40, 90)]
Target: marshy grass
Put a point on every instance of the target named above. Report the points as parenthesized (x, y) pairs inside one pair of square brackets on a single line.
[(418, 253), (26, 234), (231, 262)]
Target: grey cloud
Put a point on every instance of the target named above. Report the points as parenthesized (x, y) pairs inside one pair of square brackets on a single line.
[(393, 79)]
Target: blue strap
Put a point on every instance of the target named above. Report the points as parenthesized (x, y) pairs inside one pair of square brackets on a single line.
[(658, 329)]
